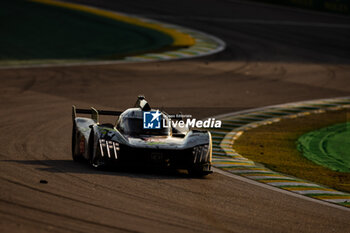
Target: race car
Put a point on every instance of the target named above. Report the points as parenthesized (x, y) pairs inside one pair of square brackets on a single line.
[(131, 142)]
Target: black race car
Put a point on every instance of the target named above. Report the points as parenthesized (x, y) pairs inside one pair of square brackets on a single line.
[(131, 142)]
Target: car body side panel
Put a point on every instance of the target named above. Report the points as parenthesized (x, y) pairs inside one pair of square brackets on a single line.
[(143, 144), (192, 139), (83, 127)]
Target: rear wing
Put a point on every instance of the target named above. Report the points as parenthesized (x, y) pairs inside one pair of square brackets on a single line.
[(140, 103), (93, 112)]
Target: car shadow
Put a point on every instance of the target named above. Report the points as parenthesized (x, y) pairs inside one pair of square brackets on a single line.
[(69, 166)]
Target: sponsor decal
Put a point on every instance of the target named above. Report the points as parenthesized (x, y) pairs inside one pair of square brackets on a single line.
[(153, 120), (193, 123)]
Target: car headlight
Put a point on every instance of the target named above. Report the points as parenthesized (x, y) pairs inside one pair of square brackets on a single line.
[(200, 154)]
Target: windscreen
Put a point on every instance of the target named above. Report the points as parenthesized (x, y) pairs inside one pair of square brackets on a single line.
[(134, 126)]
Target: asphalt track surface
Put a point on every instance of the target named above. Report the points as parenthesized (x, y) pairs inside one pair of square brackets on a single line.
[(274, 55)]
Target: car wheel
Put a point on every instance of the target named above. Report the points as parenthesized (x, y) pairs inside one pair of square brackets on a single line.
[(197, 172)]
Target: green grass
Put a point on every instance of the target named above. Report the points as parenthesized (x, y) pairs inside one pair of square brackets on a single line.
[(33, 31), (275, 147), (328, 147)]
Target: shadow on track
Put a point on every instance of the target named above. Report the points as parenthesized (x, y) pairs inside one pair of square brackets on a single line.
[(68, 166)]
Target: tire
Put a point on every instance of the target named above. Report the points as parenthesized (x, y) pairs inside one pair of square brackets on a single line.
[(76, 156), (197, 172)]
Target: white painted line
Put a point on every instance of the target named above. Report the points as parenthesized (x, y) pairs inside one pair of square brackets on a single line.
[(215, 146), (249, 171), (317, 192), (227, 160), (233, 165), (268, 177), (219, 153), (291, 184), (243, 179), (337, 200)]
